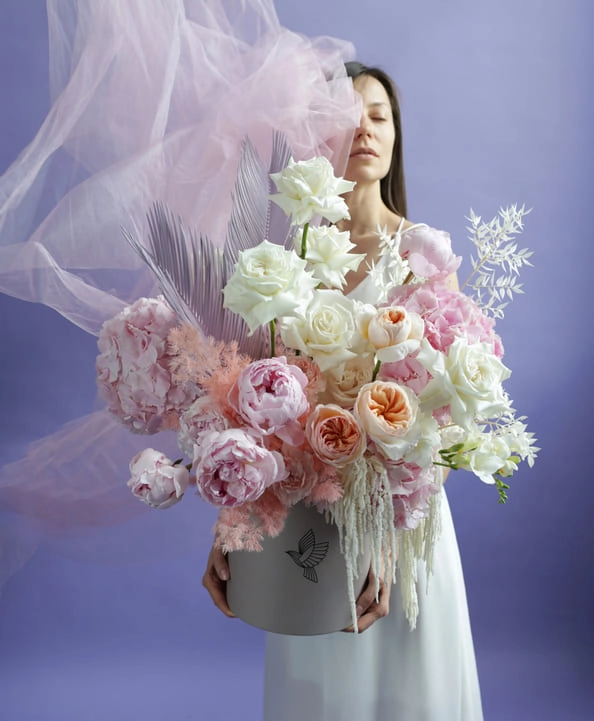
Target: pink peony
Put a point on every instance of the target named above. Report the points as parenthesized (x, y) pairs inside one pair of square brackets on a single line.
[(156, 480), (448, 314), (270, 396), (429, 252), (233, 468), (132, 368)]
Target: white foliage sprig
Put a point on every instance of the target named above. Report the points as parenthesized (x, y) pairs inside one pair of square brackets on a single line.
[(496, 265)]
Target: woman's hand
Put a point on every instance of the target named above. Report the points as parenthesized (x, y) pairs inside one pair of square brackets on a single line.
[(215, 580), (368, 609)]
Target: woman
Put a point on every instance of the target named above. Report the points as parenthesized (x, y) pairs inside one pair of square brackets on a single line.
[(388, 672)]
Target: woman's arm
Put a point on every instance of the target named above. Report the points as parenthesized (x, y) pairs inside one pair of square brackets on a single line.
[(215, 580)]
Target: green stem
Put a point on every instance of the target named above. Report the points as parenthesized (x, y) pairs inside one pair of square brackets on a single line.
[(304, 241), (376, 370), (272, 338)]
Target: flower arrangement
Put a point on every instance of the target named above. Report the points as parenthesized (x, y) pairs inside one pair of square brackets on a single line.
[(356, 408)]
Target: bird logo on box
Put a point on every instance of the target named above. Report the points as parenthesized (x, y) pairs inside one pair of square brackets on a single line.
[(309, 555)]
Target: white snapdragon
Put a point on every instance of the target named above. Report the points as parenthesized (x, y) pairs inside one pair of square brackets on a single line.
[(268, 282), (308, 188)]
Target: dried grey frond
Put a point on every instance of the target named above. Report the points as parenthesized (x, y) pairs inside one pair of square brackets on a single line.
[(497, 263), (192, 272)]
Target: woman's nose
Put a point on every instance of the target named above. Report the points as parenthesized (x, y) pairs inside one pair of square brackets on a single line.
[(364, 127)]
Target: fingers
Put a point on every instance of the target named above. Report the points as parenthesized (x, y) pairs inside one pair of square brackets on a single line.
[(215, 580), (368, 609)]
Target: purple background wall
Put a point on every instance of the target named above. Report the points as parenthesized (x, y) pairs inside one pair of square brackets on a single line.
[(497, 109)]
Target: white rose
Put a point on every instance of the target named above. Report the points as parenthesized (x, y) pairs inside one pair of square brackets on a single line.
[(326, 332), (268, 282), (328, 254), (308, 188), (344, 382), (468, 379)]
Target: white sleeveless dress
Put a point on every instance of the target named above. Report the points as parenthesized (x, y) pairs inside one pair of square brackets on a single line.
[(388, 673)]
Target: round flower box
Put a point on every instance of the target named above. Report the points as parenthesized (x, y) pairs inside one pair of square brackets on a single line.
[(297, 584)]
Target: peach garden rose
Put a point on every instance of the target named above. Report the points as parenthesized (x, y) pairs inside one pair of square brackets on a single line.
[(335, 435), (388, 412)]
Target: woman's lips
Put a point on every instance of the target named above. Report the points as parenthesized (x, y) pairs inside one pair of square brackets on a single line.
[(364, 153)]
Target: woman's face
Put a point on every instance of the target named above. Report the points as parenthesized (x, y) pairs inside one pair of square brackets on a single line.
[(371, 152)]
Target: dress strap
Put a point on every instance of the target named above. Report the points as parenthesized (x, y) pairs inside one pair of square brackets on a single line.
[(410, 227)]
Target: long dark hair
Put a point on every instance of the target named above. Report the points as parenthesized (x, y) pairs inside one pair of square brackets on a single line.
[(393, 186)]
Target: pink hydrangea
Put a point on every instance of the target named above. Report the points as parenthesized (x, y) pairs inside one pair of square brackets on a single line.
[(200, 418), (429, 252), (132, 367), (410, 510), (269, 395), (408, 372), (156, 480), (407, 478), (448, 314), (233, 468)]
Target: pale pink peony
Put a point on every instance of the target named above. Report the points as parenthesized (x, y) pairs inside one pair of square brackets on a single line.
[(233, 468), (156, 480), (132, 368), (448, 314), (429, 252), (270, 396), (335, 435)]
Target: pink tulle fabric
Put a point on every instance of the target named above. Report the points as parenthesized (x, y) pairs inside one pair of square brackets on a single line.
[(151, 101)]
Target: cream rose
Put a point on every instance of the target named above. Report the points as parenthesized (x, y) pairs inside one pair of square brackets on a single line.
[(393, 331), (326, 332), (335, 435), (468, 379), (308, 188), (344, 382), (268, 282)]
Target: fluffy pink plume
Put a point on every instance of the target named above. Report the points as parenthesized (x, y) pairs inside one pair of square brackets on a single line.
[(236, 531), (211, 365)]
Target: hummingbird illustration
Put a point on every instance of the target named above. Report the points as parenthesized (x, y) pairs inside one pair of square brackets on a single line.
[(309, 555)]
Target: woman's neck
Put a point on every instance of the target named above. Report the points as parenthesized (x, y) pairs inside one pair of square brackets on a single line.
[(367, 211)]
